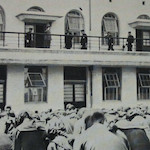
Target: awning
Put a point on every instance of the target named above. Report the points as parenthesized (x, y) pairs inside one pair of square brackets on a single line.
[(37, 17), (140, 24)]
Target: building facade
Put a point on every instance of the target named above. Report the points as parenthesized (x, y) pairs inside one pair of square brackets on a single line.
[(39, 71)]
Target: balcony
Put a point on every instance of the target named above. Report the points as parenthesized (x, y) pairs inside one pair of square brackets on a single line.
[(15, 50)]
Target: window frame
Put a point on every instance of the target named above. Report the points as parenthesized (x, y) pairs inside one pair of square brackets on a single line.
[(75, 14), (2, 24), (111, 92), (143, 90), (31, 81), (115, 35), (35, 93)]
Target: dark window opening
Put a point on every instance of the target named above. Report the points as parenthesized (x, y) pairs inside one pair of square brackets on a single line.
[(75, 86)]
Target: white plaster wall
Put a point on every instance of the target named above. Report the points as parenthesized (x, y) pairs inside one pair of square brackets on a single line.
[(97, 87), (15, 87), (126, 10), (88, 92), (55, 87), (15, 90), (129, 86)]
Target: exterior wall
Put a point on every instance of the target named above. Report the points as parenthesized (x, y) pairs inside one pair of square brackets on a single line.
[(97, 87), (56, 59), (98, 9), (128, 89), (55, 87), (129, 86), (15, 89)]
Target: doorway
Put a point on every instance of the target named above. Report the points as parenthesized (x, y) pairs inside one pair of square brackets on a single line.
[(37, 35), (142, 40)]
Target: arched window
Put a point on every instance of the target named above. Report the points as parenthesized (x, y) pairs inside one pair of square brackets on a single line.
[(74, 23), (36, 9), (110, 24), (2, 22), (143, 17)]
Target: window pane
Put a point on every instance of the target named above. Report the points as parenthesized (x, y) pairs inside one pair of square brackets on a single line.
[(146, 36), (144, 80), (68, 93), (35, 85), (112, 80), (110, 25), (1, 20), (36, 79), (74, 23)]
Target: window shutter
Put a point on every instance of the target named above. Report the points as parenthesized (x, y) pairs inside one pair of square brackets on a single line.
[(112, 80), (110, 25), (74, 23), (1, 20), (144, 80)]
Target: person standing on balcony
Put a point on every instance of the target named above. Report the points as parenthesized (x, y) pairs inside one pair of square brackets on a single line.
[(84, 40), (110, 41), (29, 38), (47, 37), (130, 41), (68, 40)]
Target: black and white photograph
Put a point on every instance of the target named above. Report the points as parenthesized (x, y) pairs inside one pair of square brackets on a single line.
[(74, 74)]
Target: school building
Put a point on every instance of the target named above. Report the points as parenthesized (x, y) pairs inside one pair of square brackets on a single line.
[(38, 77)]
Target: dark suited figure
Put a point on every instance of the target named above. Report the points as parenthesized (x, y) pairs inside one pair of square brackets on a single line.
[(84, 40), (68, 40), (110, 41), (130, 41), (29, 38), (137, 138)]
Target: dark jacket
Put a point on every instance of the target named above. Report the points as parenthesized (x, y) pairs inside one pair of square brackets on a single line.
[(84, 39), (110, 39), (130, 39), (137, 139), (68, 41), (30, 140)]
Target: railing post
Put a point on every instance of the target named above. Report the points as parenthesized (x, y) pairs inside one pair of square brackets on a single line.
[(3, 39), (73, 42), (60, 43), (99, 42), (18, 40), (89, 43), (123, 46)]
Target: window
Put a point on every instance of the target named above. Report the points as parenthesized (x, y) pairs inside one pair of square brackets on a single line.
[(36, 9), (143, 84), (2, 23), (143, 17), (110, 24), (146, 38), (111, 84), (35, 84), (74, 23), (36, 79)]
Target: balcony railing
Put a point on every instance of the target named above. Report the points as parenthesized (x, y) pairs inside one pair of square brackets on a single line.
[(96, 43)]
